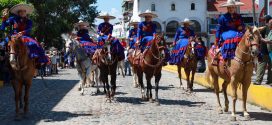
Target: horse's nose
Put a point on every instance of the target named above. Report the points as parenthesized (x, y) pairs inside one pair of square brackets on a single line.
[(12, 58)]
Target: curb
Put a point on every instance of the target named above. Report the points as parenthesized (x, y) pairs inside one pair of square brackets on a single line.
[(257, 94)]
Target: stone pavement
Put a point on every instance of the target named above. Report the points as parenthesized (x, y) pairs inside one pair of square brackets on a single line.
[(61, 104)]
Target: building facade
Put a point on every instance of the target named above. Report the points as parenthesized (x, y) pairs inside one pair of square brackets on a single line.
[(170, 13)]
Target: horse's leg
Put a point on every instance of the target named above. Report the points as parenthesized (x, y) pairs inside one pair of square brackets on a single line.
[(224, 88), (149, 87), (96, 80), (140, 81), (234, 86), (180, 77), (18, 88), (192, 79), (122, 68), (157, 80), (135, 78), (216, 90), (245, 87), (187, 73), (113, 80), (26, 98)]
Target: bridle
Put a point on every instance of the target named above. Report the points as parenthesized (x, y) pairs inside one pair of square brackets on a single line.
[(16, 58)]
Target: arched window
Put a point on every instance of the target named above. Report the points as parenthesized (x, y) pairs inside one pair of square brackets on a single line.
[(173, 7), (171, 28), (193, 6), (153, 7), (159, 28), (196, 26)]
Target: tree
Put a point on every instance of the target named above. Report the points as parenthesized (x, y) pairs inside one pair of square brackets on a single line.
[(54, 17)]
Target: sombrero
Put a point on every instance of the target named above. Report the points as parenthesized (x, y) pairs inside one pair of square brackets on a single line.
[(232, 3), (186, 20), (82, 23), (133, 21), (148, 13), (27, 7), (106, 15)]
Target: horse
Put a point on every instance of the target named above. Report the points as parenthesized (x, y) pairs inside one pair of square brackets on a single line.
[(107, 59), (239, 72), (131, 55), (23, 70), (189, 63), (150, 63), (85, 67)]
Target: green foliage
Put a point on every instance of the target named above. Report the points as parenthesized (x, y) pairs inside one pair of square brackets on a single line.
[(54, 17)]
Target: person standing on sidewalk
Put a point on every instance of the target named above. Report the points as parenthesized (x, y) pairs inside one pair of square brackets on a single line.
[(264, 60)]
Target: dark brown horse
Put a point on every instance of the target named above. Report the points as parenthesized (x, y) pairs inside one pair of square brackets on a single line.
[(23, 70), (189, 63), (107, 63), (150, 63), (239, 73)]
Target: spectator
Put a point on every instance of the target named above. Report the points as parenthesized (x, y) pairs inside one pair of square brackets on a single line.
[(54, 62), (127, 65), (124, 43), (201, 51), (264, 57)]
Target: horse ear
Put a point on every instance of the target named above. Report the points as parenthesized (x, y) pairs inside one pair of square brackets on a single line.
[(261, 28), (248, 27)]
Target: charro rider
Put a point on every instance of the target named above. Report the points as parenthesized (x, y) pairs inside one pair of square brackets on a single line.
[(146, 30), (181, 41), (104, 29), (229, 32), (133, 33), (84, 38), (20, 25)]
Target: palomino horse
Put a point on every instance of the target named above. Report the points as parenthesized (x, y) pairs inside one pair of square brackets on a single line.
[(84, 64), (23, 70), (150, 63), (240, 71), (189, 63), (107, 60)]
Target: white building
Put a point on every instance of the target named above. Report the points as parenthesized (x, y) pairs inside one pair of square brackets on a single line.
[(172, 12)]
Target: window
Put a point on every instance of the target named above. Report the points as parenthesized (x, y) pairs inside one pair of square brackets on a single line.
[(193, 6), (173, 7), (153, 7)]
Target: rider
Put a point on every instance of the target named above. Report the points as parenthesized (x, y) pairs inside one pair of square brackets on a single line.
[(104, 29), (84, 38), (181, 41), (230, 30), (146, 30), (133, 33), (20, 25)]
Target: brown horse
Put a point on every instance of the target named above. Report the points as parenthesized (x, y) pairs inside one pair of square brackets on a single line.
[(151, 62), (240, 70), (189, 63), (23, 70)]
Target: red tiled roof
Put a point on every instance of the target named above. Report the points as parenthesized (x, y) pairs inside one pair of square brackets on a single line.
[(215, 6)]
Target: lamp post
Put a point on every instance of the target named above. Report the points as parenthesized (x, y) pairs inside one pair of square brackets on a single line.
[(254, 12)]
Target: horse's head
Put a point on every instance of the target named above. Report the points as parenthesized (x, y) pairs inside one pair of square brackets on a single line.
[(17, 52), (159, 45), (252, 40), (190, 51)]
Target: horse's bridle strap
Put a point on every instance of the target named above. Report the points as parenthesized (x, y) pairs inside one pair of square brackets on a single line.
[(241, 62)]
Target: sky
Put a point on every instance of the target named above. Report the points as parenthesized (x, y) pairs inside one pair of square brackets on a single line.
[(113, 7)]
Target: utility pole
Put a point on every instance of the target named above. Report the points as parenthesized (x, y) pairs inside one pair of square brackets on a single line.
[(254, 12)]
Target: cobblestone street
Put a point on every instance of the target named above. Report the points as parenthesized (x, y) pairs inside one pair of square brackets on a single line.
[(60, 103)]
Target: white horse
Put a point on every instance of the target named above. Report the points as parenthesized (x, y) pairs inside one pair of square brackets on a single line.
[(84, 65)]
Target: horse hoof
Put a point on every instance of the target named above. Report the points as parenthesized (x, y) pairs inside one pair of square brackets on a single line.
[(158, 103), (226, 109), (233, 118), (220, 111), (151, 100), (79, 89), (81, 94), (247, 117), (98, 91)]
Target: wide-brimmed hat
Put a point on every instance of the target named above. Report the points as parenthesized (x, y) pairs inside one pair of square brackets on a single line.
[(81, 23), (148, 13), (134, 21), (186, 20), (106, 15), (232, 3), (27, 7)]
